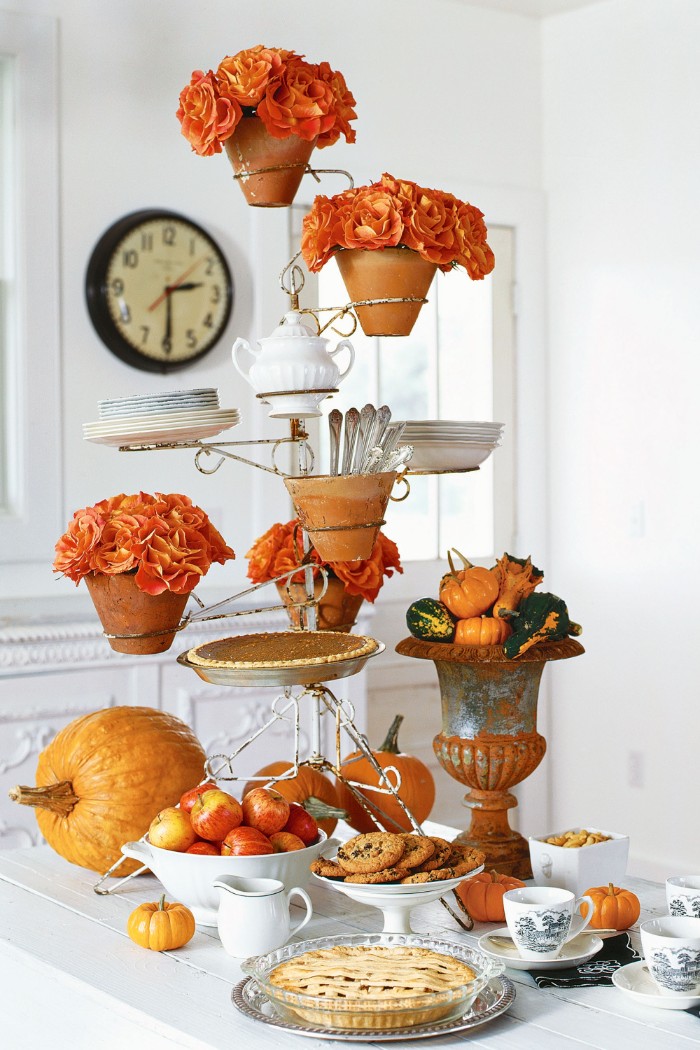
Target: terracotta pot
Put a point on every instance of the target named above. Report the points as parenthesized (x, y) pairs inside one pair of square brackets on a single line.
[(336, 611), (385, 273), (124, 609), (251, 149), (342, 514)]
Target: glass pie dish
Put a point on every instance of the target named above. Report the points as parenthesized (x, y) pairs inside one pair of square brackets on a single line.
[(366, 1008)]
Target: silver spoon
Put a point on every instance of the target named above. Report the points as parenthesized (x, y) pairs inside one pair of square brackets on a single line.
[(376, 434), (335, 422), (367, 416), (352, 425)]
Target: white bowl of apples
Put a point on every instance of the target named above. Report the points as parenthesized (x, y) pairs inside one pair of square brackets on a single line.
[(210, 833)]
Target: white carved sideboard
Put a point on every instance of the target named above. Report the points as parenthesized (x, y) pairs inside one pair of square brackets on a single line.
[(55, 665)]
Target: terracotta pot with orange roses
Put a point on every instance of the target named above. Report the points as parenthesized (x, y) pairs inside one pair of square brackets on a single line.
[(348, 584), (268, 109), (389, 239), (140, 557)]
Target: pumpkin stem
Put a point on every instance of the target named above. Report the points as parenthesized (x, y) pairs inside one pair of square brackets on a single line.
[(494, 875), (58, 798), (321, 810), (391, 744), (611, 890), (574, 628), (161, 903), (465, 561)]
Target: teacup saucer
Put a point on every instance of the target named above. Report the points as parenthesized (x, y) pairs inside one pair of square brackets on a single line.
[(576, 951), (636, 981)]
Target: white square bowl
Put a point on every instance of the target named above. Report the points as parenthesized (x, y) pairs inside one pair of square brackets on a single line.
[(579, 868)]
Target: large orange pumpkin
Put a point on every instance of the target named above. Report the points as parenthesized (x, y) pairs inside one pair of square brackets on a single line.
[(417, 788), (103, 778), (482, 895), (309, 788)]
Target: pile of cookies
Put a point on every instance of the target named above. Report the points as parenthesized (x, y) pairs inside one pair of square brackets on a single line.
[(380, 857)]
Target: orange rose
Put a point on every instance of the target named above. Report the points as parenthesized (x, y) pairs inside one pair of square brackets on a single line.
[(244, 77), (116, 553), (173, 560), (297, 102), (372, 221), (207, 117), (474, 253), (262, 554), (75, 549), (431, 230), (320, 233), (343, 107)]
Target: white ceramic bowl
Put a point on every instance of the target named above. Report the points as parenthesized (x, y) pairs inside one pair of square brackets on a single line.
[(579, 868), (189, 878), (449, 455)]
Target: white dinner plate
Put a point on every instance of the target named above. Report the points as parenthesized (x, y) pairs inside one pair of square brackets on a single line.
[(431, 423), (164, 435), (163, 395), (217, 415), (636, 981), (451, 435), (576, 951)]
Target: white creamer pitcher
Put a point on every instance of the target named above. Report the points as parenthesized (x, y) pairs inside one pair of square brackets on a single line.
[(253, 915), (292, 370)]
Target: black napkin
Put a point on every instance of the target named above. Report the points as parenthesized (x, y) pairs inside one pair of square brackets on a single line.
[(616, 951)]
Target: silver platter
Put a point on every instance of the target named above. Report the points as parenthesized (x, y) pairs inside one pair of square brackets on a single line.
[(494, 1000), (299, 674)]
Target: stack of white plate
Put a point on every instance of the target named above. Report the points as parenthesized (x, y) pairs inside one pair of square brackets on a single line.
[(147, 419), (450, 444), (152, 404)]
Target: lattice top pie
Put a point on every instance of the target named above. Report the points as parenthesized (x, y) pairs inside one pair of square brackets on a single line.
[(281, 649)]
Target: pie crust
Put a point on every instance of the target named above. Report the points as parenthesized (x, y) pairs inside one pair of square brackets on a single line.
[(372, 986), (282, 649)]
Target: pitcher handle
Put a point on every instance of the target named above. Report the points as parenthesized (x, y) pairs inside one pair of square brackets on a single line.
[(296, 891), (578, 922), (344, 344), (242, 345)]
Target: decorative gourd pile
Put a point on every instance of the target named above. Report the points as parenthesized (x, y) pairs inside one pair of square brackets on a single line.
[(496, 606)]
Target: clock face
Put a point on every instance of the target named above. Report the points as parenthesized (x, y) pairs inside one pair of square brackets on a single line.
[(159, 290)]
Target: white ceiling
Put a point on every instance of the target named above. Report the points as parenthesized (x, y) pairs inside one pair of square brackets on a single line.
[(534, 8)]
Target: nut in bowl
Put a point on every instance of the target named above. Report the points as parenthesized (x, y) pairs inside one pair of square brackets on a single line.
[(367, 983), (577, 858), (190, 878)]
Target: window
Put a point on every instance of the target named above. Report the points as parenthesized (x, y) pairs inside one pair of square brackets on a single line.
[(458, 363), (30, 512)]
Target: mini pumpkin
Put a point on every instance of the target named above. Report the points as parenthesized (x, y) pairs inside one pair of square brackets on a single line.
[(470, 591), (615, 908), (482, 895), (482, 630), (161, 926)]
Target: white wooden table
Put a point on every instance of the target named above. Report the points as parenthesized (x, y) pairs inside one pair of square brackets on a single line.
[(70, 978)]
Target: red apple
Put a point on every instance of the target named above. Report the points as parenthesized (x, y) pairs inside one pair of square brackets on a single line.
[(245, 842), (190, 797), (172, 829), (207, 849), (285, 842), (265, 809), (214, 814), (302, 824)]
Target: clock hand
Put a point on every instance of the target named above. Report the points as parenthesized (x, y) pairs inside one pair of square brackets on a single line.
[(174, 284), (185, 287), (167, 343)]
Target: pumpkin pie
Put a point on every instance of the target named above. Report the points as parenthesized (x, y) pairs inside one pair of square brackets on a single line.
[(282, 649), (372, 986)]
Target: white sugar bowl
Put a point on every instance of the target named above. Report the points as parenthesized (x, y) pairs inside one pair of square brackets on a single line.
[(293, 362)]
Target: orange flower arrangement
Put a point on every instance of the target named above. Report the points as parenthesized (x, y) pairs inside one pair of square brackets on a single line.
[(165, 539), (278, 551), (397, 213), (290, 96)]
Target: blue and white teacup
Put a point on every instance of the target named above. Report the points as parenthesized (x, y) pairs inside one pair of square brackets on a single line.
[(683, 895), (671, 946), (541, 919)]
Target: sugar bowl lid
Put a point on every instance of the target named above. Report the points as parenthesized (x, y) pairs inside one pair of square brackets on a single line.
[(293, 327)]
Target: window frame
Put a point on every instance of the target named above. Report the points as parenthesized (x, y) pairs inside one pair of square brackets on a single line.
[(30, 513)]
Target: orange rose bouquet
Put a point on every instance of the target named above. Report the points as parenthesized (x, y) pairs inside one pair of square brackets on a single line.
[(290, 96), (167, 541), (278, 551), (396, 213)]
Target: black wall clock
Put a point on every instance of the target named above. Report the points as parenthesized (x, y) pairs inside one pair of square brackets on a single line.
[(159, 290)]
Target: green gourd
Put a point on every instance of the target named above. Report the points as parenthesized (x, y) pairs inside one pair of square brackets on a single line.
[(541, 617), (430, 620)]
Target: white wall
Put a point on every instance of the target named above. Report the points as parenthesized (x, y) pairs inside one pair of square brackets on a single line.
[(622, 170)]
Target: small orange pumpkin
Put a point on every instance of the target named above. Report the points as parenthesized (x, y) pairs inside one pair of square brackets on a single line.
[(482, 895), (482, 630), (470, 591), (313, 791), (615, 908), (161, 926)]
